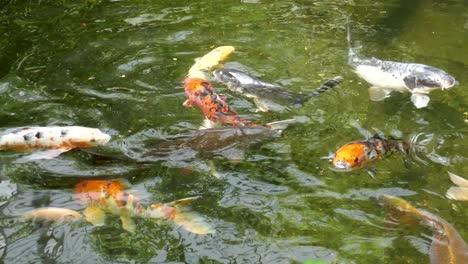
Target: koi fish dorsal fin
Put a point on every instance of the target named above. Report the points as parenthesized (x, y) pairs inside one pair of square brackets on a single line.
[(45, 154)]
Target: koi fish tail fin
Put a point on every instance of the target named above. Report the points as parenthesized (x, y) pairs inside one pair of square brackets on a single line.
[(353, 58), (192, 222), (327, 85)]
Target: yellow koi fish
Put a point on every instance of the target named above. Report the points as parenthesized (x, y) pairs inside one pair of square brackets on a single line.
[(214, 59), (448, 247), (52, 141)]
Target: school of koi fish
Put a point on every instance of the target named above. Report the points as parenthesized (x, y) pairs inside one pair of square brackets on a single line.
[(115, 197)]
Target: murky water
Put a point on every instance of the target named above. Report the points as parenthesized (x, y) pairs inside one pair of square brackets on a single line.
[(119, 66)]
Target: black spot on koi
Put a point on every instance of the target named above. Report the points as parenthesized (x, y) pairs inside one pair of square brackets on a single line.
[(38, 135)]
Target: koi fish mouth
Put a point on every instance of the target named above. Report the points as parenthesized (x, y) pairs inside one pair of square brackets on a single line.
[(450, 84), (341, 164)]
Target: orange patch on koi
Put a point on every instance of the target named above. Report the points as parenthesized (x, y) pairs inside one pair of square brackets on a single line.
[(202, 93)]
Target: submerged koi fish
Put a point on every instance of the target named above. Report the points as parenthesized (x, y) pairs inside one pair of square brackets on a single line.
[(51, 140), (103, 197), (447, 244), (268, 96), (52, 214), (388, 76), (357, 153), (202, 93)]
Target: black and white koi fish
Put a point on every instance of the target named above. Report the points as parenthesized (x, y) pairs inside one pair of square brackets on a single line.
[(268, 96), (388, 76), (51, 140)]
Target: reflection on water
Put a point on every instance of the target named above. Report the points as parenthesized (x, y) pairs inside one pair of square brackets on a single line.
[(119, 66)]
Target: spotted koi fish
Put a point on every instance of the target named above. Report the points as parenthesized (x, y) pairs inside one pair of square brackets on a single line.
[(357, 153), (388, 76), (202, 93), (51, 140), (108, 196)]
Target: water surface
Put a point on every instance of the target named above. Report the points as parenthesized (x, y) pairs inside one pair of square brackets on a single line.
[(119, 66)]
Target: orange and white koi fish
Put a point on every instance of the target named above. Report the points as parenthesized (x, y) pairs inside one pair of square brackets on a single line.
[(447, 244), (357, 153), (51, 140), (202, 93), (52, 214), (107, 196)]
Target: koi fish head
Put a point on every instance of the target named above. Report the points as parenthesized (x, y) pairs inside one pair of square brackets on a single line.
[(434, 77), (85, 137), (193, 85), (350, 156)]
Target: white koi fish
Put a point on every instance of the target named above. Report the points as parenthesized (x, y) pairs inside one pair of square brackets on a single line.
[(52, 141), (388, 76)]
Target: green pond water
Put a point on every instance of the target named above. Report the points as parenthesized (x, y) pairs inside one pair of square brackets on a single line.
[(119, 66)]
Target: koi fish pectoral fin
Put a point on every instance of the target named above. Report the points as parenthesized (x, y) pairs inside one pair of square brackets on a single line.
[(266, 105), (94, 215), (193, 223), (128, 223), (420, 100), (183, 201), (378, 94), (458, 180), (188, 103), (44, 154), (457, 193)]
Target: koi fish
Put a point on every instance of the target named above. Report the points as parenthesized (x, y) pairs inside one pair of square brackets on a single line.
[(268, 96), (447, 244), (204, 65), (52, 214), (388, 76), (460, 192), (202, 93), (357, 153), (104, 197), (51, 140)]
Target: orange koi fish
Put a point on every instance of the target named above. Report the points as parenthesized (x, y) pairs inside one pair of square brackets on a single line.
[(52, 140), (107, 196), (357, 153), (202, 93)]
